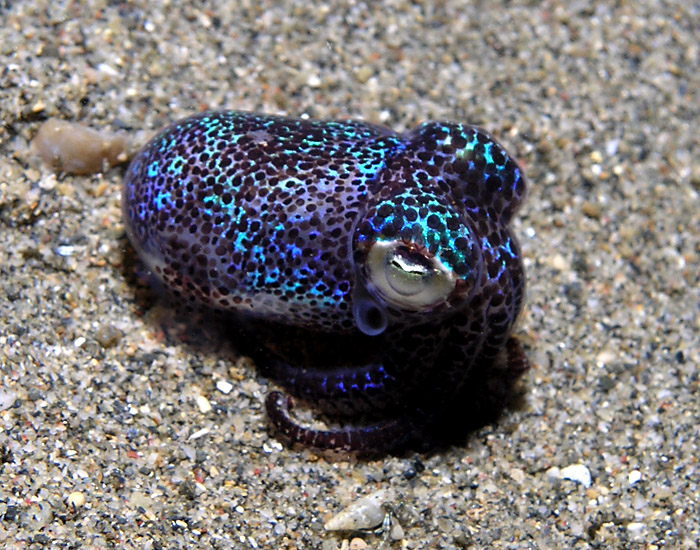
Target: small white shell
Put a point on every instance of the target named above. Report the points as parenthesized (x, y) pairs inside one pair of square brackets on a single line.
[(365, 513)]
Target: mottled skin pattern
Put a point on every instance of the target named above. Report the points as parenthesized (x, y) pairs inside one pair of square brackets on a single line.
[(393, 247)]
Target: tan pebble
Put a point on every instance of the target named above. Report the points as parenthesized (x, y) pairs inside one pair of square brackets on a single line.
[(140, 500), (108, 336), (591, 209), (517, 475), (358, 544), (76, 499), (76, 149), (359, 476), (396, 532), (559, 262), (99, 189), (363, 74)]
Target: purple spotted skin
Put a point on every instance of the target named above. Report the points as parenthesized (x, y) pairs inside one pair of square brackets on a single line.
[(393, 250)]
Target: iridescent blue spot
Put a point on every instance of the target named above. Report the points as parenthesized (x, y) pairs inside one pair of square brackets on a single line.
[(152, 171)]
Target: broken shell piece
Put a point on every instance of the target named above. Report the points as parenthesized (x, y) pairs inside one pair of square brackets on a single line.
[(76, 149), (365, 513)]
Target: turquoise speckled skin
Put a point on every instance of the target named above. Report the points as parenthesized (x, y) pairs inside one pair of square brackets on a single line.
[(394, 246)]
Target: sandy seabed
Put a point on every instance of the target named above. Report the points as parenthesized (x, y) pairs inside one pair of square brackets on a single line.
[(121, 428)]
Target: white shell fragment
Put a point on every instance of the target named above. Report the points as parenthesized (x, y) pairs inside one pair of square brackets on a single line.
[(7, 399), (634, 476), (203, 404), (224, 386), (365, 513), (578, 473)]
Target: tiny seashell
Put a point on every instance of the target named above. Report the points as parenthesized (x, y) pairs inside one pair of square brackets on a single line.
[(365, 513)]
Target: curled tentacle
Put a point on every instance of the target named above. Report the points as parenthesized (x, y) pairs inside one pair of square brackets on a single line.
[(347, 391), (380, 436), (358, 388), (388, 434)]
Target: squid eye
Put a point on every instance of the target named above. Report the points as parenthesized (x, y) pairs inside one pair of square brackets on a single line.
[(407, 278), (407, 272)]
